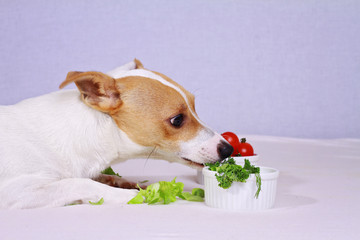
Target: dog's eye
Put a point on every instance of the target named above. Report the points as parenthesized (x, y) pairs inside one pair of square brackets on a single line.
[(177, 121)]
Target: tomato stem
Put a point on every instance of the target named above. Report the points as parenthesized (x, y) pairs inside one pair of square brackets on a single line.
[(243, 140)]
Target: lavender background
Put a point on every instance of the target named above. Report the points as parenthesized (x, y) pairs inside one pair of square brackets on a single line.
[(284, 68)]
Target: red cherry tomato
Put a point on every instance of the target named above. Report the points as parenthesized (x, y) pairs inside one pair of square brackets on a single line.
[(233, 140), (245, 149)]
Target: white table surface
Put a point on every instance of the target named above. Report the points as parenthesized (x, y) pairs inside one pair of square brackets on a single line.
[(317, 198)]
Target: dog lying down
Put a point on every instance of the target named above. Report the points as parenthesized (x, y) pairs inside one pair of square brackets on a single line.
[(53, 146)]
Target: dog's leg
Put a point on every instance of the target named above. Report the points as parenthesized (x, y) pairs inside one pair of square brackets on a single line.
[(116, 181), (31, 192)]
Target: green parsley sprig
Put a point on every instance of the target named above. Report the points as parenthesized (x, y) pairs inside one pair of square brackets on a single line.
[(228, 172)]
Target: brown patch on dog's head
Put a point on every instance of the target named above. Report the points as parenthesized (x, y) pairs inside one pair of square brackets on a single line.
[(189, 96), (147, 110)]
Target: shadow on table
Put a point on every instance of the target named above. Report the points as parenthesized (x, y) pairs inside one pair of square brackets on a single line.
[(286, 197)]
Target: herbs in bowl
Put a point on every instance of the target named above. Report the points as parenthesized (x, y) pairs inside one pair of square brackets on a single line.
[(228, 172), (239, 187)]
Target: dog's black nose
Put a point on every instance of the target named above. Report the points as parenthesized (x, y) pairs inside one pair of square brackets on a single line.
[(224, 150)]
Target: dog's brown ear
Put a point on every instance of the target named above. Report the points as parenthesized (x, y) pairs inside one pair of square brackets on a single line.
[(97, 89), (138, 64)]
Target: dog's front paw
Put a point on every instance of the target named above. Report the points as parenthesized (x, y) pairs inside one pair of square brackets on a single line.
[(127, 185), (116, 181)]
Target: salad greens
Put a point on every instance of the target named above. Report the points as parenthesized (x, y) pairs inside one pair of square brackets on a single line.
[(100, 202), (110, 171), (228, 172), (166, 192)]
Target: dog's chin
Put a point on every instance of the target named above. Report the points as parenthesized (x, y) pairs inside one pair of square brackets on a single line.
[(193, 164)]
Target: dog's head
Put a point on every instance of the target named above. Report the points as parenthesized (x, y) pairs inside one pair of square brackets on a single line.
[(153, 111)]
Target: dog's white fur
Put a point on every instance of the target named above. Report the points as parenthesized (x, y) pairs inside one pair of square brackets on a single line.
[(51, 146)]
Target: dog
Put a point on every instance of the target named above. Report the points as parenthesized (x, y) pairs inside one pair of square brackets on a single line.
[(54, 145)]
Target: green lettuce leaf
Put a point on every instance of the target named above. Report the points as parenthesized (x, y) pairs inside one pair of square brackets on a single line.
[(100, 202), (110, 171), (198, 192), (165, 193), (190, 197), (138, 199)]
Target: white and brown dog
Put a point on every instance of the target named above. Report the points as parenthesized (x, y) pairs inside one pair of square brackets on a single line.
[(52, 146)]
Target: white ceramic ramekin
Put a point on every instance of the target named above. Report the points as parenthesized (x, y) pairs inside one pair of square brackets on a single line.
[(241, 196), (239, 160)]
